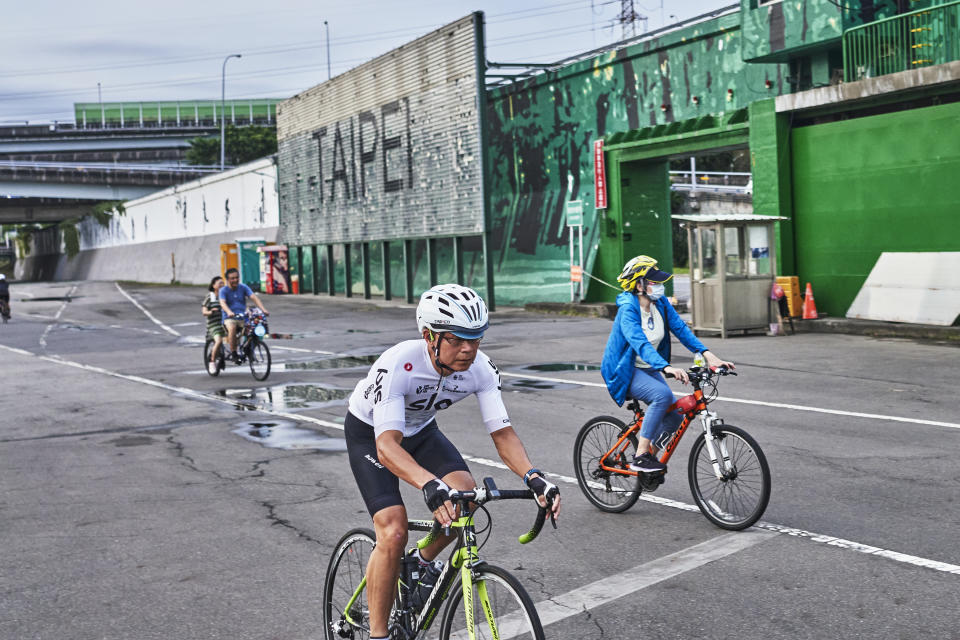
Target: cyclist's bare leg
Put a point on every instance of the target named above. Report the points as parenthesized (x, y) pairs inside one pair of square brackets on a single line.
[(217, 341), (231, 334), (390, 525), (461, 481)]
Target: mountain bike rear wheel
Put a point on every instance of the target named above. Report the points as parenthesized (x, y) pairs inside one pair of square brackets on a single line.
[(510, 614), (607, 490), (737, 501), (258, 356), (347, 567)]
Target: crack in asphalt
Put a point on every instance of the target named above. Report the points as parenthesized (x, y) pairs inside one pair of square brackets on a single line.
[(276, 520), (594, 620)]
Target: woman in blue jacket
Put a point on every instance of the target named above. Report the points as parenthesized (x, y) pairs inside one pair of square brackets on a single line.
[(638, 354)]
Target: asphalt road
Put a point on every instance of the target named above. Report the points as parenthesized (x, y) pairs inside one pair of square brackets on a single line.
[(132, 505)]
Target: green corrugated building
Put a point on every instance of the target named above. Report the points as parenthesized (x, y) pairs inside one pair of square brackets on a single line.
[(848, 110)]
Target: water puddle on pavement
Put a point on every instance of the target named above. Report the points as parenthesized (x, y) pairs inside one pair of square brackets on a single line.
[(343, 362), (288, 396), (281, 434), (529, 385), (559, 366)]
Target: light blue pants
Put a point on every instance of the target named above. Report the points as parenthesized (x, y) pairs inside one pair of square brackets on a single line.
[(649, 386)]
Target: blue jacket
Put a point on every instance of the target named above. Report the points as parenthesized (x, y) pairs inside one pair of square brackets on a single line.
[(627, 341)]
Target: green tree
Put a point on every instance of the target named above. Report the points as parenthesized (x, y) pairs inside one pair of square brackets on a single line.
[(243, 144)]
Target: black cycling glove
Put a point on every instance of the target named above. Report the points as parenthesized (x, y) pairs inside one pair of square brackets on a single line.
[(543, 487), (435, 493)]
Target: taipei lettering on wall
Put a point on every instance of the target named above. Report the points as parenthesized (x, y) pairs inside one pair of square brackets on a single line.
[(389, 149)]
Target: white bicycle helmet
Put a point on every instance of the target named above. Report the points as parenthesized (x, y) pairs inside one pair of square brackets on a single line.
[(453, 308)]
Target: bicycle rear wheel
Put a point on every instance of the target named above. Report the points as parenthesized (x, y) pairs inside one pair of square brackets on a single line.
[(510, 613), (259, 358), (607, 490), (347, 567), (737, 501)]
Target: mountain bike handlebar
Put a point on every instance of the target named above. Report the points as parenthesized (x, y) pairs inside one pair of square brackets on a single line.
[(488, 493)]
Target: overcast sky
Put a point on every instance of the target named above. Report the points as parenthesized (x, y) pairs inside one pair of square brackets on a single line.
[(53, 53)]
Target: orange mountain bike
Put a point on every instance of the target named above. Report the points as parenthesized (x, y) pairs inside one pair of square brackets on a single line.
[(728, 473)]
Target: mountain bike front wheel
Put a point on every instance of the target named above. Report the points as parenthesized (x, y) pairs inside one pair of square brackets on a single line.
[(737, 500), (502, 608), (347, 567), (607, 490), (259, 358)]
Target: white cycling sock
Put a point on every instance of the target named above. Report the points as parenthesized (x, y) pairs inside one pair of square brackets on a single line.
[(423, 563)]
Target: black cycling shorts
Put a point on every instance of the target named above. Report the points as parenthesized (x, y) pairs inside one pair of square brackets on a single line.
[(378, 486)]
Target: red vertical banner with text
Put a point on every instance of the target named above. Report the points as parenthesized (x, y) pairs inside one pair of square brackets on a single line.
[(599, 175)]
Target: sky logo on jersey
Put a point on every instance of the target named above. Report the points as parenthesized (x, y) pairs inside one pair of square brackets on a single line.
[(378, 390), (424, 405)]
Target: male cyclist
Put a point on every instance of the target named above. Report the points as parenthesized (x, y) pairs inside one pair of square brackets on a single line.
[(233, 301), (638, 353), (392, 434)]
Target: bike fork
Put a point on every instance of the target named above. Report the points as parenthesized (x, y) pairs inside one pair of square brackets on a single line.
[(716, 447)]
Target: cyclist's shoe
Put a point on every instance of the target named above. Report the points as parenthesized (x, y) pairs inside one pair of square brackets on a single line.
[(647, 463), (212, 367)]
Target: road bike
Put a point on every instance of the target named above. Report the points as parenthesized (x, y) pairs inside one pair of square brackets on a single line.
[(490, 603), (251, 347), (728, 473)]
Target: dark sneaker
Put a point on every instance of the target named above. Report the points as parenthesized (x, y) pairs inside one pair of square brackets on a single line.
[(647, 463)]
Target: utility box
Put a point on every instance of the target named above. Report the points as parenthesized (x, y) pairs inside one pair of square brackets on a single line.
[(732, 268), (249, 260)]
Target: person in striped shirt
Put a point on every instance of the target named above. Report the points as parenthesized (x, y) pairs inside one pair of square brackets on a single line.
[(211, 309)]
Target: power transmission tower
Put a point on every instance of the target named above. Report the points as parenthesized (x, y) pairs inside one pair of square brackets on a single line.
[(628, 19)]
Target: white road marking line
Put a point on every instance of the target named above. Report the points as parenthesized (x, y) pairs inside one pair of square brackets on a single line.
[(614, 587), (145, 312), (56, 318), (776, 405), (851, 545)]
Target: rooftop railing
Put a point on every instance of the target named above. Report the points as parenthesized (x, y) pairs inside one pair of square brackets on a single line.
[(908, 41)]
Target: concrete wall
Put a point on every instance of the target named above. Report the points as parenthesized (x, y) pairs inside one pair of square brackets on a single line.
[(192, 260), (173, 234)]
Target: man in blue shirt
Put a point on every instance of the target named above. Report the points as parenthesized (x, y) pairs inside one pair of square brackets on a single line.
[(233, 301)]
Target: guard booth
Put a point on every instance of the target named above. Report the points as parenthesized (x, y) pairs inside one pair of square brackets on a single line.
[(732, 268)]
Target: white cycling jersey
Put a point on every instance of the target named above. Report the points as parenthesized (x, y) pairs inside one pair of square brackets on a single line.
[(403, 392)]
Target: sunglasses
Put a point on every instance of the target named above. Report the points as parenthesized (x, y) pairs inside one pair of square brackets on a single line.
[(457, 342)]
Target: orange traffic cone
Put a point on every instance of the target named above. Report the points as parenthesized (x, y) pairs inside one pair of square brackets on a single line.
[(809, 308)]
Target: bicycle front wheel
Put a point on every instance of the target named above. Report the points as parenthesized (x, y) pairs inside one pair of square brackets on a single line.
[(607, 490), (259, 358), (347, 567), (502, 608), (737, 500)]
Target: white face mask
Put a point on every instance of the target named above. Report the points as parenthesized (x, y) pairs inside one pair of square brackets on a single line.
[(655, 290)]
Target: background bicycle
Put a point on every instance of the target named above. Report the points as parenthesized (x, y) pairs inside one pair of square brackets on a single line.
[(488, 602), (728, 473), (251, 347)]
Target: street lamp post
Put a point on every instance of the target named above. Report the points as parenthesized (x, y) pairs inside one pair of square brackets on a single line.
[(327, 27), (223, 100)]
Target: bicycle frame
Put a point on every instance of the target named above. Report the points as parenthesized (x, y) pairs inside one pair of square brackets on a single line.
[(464, 557), (707, 418)]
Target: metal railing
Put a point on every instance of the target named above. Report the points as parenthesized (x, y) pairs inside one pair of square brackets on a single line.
[(105, 166), (716, 181), (917, 39)]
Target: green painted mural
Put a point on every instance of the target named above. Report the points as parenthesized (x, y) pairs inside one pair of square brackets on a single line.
[(542, 131), (873, 184)]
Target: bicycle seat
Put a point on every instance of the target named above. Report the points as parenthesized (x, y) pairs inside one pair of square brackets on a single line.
[(634, 405)]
